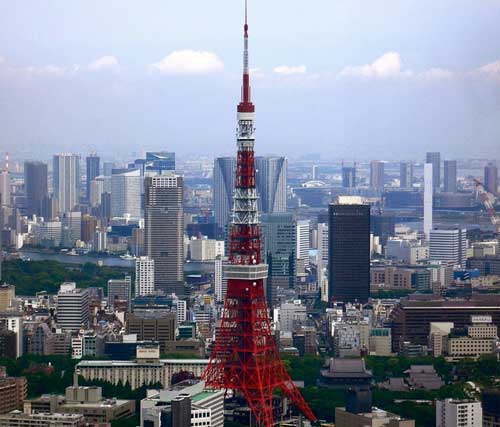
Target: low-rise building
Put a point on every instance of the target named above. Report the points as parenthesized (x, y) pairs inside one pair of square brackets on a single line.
[(458, 413), (20, 419), (375, 418), (206, 406), (147, 369)]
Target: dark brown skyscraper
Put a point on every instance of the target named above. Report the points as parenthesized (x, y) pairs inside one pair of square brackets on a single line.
[(349, 252), (35, 184), (164, 230)]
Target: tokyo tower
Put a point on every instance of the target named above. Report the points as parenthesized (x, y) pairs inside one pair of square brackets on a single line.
[(245, 357)]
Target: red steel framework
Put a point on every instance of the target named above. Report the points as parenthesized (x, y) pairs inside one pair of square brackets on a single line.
[(245, 358)]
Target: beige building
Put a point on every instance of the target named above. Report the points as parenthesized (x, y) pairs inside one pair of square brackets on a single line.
[(376, 418), (481, 338), (7, 294)]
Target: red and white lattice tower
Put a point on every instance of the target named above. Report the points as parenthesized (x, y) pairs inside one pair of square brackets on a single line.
[(245, 357)]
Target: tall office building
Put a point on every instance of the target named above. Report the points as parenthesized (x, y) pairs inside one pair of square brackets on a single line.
[(98, 186), (435, 159), (93, 171), (164, 230), (144, 276), (72, 307), (279, 245), (349, 177), (120, 290), (450, 176), (126, 185), (303, 244), (35, 186), (448, 245), (7, 295), (224, 175), (377, 175), (71, 228), (66, 180), (406, 175), (491, 178), (349, 252), (428, 197), (107, 168), (271, 175), (4, 188)]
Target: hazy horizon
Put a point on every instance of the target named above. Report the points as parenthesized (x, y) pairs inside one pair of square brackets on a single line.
[(350, 79)]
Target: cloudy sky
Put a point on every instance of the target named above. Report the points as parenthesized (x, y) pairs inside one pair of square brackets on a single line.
[(356, 79)]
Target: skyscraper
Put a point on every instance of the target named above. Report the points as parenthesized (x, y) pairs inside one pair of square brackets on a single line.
[(348, 177), (271, 174), (349, 252), (93, 171), (450, 176), (428, 198), (126, 187), (224, 174), (164, 230), (491, 178), (406, 175), (279, 251), (303, 243), (35, 186), (4, 188), (435, 159), (377, 175), (66, 179)]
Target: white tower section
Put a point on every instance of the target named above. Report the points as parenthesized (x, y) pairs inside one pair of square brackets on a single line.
[(428, 194)]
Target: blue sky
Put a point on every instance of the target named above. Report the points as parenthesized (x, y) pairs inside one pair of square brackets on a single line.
[(353, 79)]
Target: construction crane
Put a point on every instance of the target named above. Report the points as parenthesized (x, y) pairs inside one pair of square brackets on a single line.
[(488, 202)]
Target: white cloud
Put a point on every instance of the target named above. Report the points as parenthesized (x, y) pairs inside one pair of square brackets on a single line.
[(290, 70), (492, 68), (189, 62), (389, 64), (104, 62)]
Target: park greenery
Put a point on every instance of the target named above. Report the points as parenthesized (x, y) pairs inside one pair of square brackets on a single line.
[(31, 277)]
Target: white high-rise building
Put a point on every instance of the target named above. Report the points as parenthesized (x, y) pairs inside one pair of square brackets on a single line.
[(220, 284), (271, 183), (428, 198), (459, 413), (144, 276), (66, 179), (224, 176), (303, 232), (72, 307), (181, 310), (322, 248), (448, 245), (126, 189), (71, 230)]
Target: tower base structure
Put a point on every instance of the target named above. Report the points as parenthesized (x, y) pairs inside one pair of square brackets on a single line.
[(246, 358)]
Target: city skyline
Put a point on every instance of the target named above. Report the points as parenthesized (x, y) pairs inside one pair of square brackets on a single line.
[(133, 87)]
